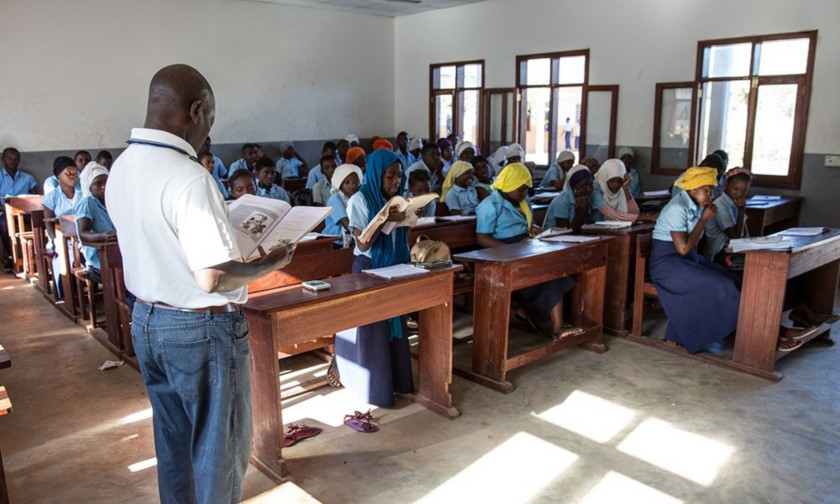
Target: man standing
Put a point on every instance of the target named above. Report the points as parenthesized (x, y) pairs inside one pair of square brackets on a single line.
[(567, 129), (181, 260)]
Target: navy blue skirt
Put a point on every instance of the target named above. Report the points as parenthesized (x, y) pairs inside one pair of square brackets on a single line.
[(369, 363), (699, 297)]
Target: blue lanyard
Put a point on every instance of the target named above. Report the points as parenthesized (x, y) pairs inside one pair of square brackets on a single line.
[(132, 141)]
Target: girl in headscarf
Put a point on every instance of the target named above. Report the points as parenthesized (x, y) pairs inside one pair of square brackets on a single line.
[(498, 159), (356, 156), (572, 208), (612, 196), (93, 224), (458, 192), (483, 177), (506, 217), (700, 298), (346, 180), (60, 202), (446, 154), (374, 361)]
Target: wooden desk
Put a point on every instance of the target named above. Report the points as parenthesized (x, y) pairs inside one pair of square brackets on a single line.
[(17, 208), (65, 233), (621, 259), (290, 315), (113, 292), (313, 260), (772, 216), (501, 270)]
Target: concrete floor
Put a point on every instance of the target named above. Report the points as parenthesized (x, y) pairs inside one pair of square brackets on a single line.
[(632, 425)]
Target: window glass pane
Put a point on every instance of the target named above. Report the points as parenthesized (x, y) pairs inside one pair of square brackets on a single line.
[(674, 128), (728, 60), (723, 119), (536, 125), (445, 78), (598, 119), (443, 115), (538, 72), (783, 57), (572, 70), (773, 138), (567, 103), (469, 101), (472, 76)]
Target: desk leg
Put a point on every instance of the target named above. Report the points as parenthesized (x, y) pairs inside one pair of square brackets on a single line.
[(435, 360), (266, 449), (491, 321), (821, 290), (588, 305), (760, 312), (112, 317), (618, 277)]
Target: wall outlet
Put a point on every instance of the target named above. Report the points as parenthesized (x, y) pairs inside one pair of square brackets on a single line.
[(832, 161)]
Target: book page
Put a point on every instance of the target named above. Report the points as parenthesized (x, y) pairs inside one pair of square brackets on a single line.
[(396, 271), (291, 228), (407, 205), (252, 217)]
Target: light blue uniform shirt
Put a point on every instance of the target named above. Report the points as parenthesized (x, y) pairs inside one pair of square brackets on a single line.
[(314, 177), (51, 184), (596, 201), (60, 205), (288, 168), (332, 225), (239, 164), (552, 174), (680, 214), (462, 199), (498, 217), (219, 170), (406, 159), (275, 192), (446, 165), (100, 222), (428, 210), (420, 165), (726, 217), (634, 186), (357, 212), (563, 207), (22, 183), (321, 192)]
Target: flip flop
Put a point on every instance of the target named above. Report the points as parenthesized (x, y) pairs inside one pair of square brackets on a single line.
[(299, 432), (362, 422), (788, 345), (333, 379), (566, 332)]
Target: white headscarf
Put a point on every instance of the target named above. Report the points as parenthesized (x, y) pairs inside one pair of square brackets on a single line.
[(565, 156), (416, 143), (284, 146), (462, 146), (513, 150), (576, 168), (89, 174), (352, 138), (612, 168), (341, 173)]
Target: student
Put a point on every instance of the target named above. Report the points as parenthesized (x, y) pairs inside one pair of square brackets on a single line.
[(446, 154), (514, 153), (414, 148), (266, 175), (81, 159), (93, 224), (290, 163), (260, 150), (104, 158), (209, 163), (506, 217), (718, 160), (315, 175), (555, 176), (51, 182), (241, 182), (592, 163), (352, 140), (465, 151), (431, 162), (497, 160), (454, 139), (60, 202), (246, 162), (219, 170), (611, 196), (628, 157), (403, 151), (572, 208), (381, 143), (13, 182), (341, 152), (375, 361), (700, 298), (323, 189), (357, 156), (483, 180), (731, 218), (419, 183), (345, 183), (458, 192)]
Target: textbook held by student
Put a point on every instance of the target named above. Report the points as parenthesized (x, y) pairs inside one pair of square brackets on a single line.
[(264, 224), (408, 205)]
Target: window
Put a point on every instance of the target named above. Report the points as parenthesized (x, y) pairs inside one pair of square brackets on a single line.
[(455, 100), (750, 98), (551, 103)]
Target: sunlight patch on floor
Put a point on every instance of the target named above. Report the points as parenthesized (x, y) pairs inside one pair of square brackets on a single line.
[(590, 416)]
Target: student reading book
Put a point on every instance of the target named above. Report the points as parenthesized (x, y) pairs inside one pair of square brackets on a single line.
[(410, 206), (264, 224)]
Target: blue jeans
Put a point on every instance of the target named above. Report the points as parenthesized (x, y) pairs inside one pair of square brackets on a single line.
[(196, 369)]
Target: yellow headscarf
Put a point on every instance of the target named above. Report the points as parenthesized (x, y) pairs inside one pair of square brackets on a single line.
[(696, 177), (457, 169), (514, 176)]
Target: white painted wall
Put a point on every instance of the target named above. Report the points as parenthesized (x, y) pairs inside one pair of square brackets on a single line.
[(634, 44), (75, 73)]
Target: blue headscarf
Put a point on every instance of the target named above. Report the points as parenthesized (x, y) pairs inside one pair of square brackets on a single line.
[(386, 250)]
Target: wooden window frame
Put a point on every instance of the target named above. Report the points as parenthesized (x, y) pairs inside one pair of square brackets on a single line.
[(552, 128), (486, 109), (657, 126), (611, 88), (454, 92)]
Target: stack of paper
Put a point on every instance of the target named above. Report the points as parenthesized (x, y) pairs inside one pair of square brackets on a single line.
[(760, 243), (805, 231), (425, 221), (396, 271), (569, 238), (656, 194), (607, 224), (553, 232), (457, 218), (765, 197)]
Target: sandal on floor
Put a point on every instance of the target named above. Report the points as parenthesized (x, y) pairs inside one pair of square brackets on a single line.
[(362, 422), (333, 379), (565, 332), (788, 345), (298, 432)]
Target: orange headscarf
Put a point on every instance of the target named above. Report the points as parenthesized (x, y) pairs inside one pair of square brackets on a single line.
[(354, 153)]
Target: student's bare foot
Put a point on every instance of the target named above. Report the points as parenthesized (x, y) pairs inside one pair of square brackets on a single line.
[(566, 332)]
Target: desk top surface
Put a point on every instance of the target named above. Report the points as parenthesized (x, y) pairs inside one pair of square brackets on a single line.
[(636, 228), (524, 250), (341, 286), (753, 204), (802, 243), (26, 203)]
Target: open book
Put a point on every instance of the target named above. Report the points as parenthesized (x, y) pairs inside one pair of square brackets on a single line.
[(759, 243), (607, 224), (264, 224), (407, 205)]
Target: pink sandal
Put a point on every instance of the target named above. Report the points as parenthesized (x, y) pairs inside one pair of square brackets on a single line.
[(299, 432), (362, 422)]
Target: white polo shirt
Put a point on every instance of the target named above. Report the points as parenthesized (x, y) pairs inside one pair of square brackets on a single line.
[(171, 220)]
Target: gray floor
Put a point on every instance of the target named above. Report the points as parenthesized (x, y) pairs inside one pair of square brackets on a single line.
[(631, 425)]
